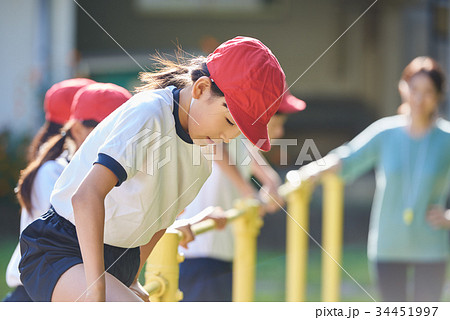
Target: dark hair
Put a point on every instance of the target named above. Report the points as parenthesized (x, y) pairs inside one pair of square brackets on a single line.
[(51, 150), (436, 77), (89, 123), (180, 73), (427, 66), (48, 130)]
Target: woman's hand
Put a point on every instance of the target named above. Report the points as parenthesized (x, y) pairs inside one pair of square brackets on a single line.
[(139, 290), (438, 217), (313, 171)]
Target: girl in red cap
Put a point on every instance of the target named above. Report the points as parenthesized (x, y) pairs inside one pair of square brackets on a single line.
[(139, 168), (37, 180), (38, 186), (57, 102)]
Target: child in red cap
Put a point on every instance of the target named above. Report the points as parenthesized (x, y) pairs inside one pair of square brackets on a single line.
[(65, 100), (206, 272), (57, 102), (139, 168)]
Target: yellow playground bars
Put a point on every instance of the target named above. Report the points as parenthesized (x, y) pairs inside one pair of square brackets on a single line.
[(162, 270)]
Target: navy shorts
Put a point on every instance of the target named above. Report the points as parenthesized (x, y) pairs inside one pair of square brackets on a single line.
[(206, 280), (19, 294), (49, 247)]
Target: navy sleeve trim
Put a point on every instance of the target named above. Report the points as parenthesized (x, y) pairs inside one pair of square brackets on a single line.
[(179, 129), (112, 165)]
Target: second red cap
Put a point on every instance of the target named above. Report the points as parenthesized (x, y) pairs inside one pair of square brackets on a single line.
[(291, 104), (58, 99), (97, 101)]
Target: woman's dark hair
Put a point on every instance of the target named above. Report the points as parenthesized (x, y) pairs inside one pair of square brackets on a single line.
[(48, 130), (427, 66), (436, 77), (180, 74), (51, 150)]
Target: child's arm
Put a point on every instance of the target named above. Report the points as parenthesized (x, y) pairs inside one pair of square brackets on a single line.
[(89, 214), (145, 251), (270, 183), (184, 225)]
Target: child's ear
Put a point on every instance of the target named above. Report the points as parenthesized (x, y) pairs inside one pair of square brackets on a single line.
[(201, 86)]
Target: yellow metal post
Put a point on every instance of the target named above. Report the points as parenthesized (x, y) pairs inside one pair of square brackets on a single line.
[(297, 242), (163, 268), (246, 230), (332, 225)]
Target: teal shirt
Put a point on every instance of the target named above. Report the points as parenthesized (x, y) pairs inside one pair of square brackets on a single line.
[(410, 173)]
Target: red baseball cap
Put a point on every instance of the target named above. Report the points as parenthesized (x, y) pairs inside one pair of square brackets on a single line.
[(252, 80), (97, 101), (291, 104), (58, 99)]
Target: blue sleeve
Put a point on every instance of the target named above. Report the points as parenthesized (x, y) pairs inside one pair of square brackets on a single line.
[(114, 166), (361, 154)]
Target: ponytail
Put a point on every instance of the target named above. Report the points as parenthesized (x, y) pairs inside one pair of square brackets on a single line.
[(49, 129), (51, 150), (182, 73)]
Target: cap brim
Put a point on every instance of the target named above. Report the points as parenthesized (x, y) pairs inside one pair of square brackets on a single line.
[(254, 131), (291, 104)]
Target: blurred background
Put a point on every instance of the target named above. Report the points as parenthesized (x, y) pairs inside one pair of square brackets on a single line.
[(350, 86)]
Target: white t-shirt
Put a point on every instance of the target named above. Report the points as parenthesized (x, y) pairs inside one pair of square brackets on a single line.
[(160, 171), (220, 191), (41, 190)]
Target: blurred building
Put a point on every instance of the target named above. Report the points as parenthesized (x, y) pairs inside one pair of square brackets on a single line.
[(37, 42), (353, 83), (344, 65)]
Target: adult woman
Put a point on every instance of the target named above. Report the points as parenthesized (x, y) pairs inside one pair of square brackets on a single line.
[(410, 155)]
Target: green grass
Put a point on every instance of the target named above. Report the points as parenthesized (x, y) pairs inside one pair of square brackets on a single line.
[(271, 271), (7, 247)]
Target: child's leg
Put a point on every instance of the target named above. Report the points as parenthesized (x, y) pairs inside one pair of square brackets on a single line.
[(72, 284)]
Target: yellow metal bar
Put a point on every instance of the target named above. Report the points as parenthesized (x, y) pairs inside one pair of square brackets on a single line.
[(163, 267), (332, 225), (153, 287), (246, 230), (287, 188), (297, 242), (209, 224)]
